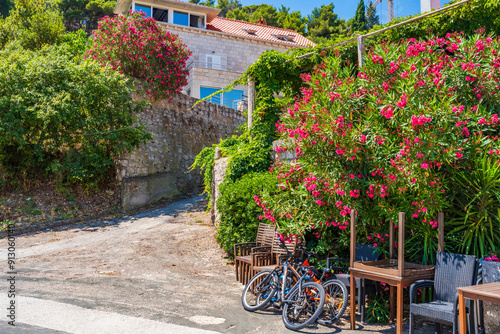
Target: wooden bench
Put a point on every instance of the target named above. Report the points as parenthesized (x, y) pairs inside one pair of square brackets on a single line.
[(244, 252)]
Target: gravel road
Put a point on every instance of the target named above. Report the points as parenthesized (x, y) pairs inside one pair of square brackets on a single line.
[(157, 272)]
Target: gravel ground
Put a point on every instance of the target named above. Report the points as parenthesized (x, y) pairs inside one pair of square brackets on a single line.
[(162, 265)]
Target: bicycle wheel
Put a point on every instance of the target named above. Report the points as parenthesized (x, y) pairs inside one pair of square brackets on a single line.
[(303, 306), (335, 303), (259, 291)]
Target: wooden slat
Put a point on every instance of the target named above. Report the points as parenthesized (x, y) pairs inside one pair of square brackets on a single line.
[(353, 237), (391, 239), (401, 244)]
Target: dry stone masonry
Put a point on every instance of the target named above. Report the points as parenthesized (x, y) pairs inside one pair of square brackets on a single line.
[(159, 169)]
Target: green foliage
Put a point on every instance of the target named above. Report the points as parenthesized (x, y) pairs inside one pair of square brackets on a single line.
[(323, 22), (84, 14), (33, 24), (209, 3), (372, 19), (227, 5), (239, 212), (63, 116), (377, 309), (238, 14), (359, 22), (5, 7), (476, 214)]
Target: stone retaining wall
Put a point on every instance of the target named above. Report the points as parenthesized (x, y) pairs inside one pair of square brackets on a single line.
[(159, 168)]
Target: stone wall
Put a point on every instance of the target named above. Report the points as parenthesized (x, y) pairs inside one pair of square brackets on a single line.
[(159, 168)]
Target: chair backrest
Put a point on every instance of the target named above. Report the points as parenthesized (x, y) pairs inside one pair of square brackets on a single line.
[(453, 271), (291, 246), (490, 272), (265, 234), (365, 252)]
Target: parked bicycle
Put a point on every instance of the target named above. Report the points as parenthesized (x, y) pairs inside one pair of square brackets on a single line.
[(301, 300), (284, 282)]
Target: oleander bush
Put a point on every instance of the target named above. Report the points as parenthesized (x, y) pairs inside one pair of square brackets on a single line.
[(137, 46), (389, 138)]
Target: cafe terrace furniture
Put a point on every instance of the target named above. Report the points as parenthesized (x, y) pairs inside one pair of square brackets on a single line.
[(395, 273), (489, 292), (243, 252), (364, 252), (452, 271)]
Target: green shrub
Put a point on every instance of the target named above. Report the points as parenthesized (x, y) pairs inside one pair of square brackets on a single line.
[(63, 116), (240, 215)]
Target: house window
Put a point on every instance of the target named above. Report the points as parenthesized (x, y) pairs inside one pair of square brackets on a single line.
[(181, 18), (207, 91), (144, 9), (196, 21), (229, 99), (213, 61), (160, 15)]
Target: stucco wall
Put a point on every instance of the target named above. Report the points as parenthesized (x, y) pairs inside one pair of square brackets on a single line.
[(159, 168)]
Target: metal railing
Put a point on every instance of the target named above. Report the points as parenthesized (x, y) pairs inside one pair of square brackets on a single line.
[(203, 64), (225, 102)]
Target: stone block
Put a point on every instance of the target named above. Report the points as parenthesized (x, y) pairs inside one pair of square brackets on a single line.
[(139, 191)]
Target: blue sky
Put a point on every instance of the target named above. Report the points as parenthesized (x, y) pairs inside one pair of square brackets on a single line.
[(345, 8)]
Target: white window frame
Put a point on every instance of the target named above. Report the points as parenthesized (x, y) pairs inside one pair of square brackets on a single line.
[(214, 65)]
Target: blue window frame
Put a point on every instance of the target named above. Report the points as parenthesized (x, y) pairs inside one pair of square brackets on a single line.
[(228, 99), (181, 18), (207, 91), (144, 9)]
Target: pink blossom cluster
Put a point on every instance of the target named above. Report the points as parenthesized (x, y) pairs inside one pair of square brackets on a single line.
[(136, 46)]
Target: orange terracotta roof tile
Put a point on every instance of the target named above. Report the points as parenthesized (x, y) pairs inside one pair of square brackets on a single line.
[(259, 31)]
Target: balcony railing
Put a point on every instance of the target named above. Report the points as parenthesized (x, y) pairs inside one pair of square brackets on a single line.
[(203, 64), (225, 102)]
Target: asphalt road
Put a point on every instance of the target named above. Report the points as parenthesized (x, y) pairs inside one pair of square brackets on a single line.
[(157, 272)]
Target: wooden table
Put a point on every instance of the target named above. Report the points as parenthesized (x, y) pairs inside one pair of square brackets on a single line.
[(489, 292), (393, 281)]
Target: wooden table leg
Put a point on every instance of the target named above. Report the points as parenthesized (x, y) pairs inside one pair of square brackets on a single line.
[(353, 302), (391, 303), (399, 317), (462, 323)]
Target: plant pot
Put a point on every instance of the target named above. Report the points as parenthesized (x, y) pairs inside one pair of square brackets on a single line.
[(491, 311)]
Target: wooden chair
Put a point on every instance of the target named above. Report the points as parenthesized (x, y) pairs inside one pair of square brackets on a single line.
[(268, 260), (243, 252)]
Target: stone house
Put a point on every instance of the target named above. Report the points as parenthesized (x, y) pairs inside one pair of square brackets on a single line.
[(222, 49)]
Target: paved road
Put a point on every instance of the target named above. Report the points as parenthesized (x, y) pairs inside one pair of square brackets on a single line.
[(157, 272)]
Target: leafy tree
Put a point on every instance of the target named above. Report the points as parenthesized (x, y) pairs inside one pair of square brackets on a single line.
[(33, 24), (227, 5), (80, 14), (323, 22), (372, 19), (239, 14), (359, 23), (266, 12), (97, 9), (209, 3), (5, 7), (293, 21)]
